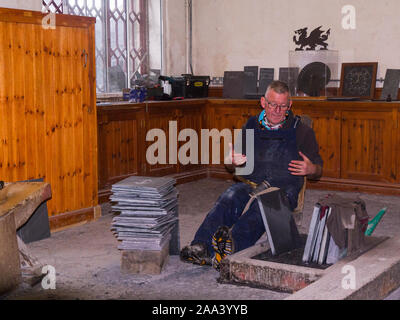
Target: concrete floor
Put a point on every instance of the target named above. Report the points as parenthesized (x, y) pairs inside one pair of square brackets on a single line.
[(87, 260)]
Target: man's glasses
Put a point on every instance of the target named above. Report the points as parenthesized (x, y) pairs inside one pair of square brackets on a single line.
[(277, 107)]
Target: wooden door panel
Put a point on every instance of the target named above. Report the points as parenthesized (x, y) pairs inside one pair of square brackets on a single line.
[(326, 125), (48, 120), (230, 118), (368, 146), (118, 150), (190, 118), (158, 119)]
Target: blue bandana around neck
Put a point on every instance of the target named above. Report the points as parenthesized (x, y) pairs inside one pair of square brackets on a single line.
[(262, 119)]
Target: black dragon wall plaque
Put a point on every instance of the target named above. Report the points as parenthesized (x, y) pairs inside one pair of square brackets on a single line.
[(316, 38)]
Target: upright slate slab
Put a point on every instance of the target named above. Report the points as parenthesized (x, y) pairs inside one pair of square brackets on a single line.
[(279, 223), (289, 76), (266, 77), (250, 80), (391, 84), (233, 85)]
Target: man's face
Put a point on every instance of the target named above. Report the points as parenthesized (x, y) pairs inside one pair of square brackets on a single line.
[(275, 106)]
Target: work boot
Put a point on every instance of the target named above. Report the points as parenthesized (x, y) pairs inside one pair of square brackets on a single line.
[(196, 253), (222, 244)]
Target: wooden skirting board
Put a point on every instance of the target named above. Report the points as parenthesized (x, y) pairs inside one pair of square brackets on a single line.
[(355, 186), (74, 218)]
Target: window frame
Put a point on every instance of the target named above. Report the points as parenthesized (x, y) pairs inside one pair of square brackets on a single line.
[(133, 59)]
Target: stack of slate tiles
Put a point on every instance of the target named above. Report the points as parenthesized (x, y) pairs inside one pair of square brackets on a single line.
[(147, 213)]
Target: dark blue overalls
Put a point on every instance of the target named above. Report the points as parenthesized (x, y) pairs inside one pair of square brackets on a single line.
[(273, 152)]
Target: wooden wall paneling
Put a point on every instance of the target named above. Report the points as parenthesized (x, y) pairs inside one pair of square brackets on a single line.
[(332, 134), (57, 162), (48, 93), (255, 110), (229, 116), (132, 154), (120, 153), (125, 126), (75, 44), (116, 148), (159, 118), (110, 148), (396, 117), (18, 107), (190, 118), (30, 115), (47, 108), (6, 88), (89, 118), (91, 66), (39, 86), (327, 128), (103, 157), (113, 146), (70, 132), (105, 152), (367, 146), (215, 91), (3, 99)]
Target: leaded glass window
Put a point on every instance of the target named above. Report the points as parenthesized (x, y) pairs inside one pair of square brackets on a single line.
[(122, 38)]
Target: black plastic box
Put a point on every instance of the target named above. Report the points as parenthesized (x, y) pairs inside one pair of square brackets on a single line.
[(178, 87), (196, 86)]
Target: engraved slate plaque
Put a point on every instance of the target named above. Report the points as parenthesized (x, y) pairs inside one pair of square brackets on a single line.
[(266, 77), (358, 80), (233, 85), (250, 79), (391, 84), (289, 75)]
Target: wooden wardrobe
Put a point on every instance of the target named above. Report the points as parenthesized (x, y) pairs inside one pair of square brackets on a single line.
[(48, 109)]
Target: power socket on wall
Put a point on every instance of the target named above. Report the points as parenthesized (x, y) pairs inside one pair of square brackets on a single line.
[(217, 81)]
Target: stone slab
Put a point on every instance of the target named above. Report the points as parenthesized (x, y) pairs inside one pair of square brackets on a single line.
[(144, 261), (241, 268), (372, 276)]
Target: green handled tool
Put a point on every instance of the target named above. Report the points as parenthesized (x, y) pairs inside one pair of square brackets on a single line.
[(374, 222)]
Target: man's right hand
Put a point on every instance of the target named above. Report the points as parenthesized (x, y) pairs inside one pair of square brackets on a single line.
[(236, 159)]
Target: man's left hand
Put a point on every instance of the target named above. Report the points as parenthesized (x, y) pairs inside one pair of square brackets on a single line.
[(302, 168)]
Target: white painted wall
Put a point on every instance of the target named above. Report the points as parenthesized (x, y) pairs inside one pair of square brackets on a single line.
[(22, 4), (229, 34), (174, 37), (155, 34)]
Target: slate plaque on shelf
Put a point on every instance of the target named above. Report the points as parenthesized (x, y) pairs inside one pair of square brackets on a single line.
[(266, 77), (250, 79), (358, 80), (233, 85), (391, 84), (289, 76)]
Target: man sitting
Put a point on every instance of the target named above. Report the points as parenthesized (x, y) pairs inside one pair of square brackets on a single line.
[(285, 150)]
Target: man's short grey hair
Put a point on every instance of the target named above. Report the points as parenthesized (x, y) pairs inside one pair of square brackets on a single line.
[(279, 87)]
